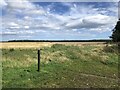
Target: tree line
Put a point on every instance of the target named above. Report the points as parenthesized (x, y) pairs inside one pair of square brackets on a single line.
[(101, 40)]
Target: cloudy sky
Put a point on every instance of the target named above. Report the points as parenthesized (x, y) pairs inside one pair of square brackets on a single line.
[(57, 20)]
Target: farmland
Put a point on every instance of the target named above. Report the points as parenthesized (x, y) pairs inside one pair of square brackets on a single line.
[(71, 65)]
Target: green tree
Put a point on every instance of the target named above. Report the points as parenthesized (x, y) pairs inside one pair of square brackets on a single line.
[(116, 32)]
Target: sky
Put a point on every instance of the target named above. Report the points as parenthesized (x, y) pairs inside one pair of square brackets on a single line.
[(25, 20)]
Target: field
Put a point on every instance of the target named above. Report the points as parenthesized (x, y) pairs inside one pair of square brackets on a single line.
[(72, 65)]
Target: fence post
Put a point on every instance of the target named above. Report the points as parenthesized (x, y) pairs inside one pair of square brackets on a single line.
[(38, 60)]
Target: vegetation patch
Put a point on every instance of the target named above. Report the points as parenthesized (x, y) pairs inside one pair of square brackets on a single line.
[(61, 66)]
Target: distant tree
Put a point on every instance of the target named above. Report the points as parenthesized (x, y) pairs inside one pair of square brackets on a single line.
[(116, 32)]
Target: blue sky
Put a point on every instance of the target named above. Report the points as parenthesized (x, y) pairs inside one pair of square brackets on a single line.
[(57, 20)]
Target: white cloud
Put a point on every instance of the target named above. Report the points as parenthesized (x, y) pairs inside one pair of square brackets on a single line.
[(7, 33), (26, 27), (35, 12), (16, 27), (2, 3), (13, 24), (20, 4), (27, 16), (91, 22), (55, 21)]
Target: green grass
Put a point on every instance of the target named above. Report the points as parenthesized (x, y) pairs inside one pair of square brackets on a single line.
[(61, 66)]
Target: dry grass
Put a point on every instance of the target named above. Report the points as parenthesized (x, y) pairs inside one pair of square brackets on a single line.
[(8, 45)]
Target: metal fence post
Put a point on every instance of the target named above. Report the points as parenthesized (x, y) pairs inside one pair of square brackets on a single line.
[(38, 60)]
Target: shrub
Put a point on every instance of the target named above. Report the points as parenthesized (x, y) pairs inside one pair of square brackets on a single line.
[(111, 49), (12, 49)]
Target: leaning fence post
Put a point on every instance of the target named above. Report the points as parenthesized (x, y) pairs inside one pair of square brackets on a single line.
[(38, 60)]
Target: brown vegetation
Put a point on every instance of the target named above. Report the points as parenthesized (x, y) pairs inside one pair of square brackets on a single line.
[(6, 45)]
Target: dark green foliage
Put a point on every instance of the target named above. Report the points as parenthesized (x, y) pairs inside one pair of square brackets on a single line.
[(94, 40), (116, 32), (12, 49)]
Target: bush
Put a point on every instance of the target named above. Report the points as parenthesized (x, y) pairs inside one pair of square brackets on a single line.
[(59, 47), (12, 49), (111, 49)]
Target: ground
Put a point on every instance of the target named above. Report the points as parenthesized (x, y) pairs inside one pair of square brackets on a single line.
[(72, 65)]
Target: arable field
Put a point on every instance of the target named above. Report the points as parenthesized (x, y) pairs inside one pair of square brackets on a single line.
[(63, 65)]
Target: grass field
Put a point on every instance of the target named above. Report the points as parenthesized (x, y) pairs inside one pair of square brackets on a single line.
[(72, 65)]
